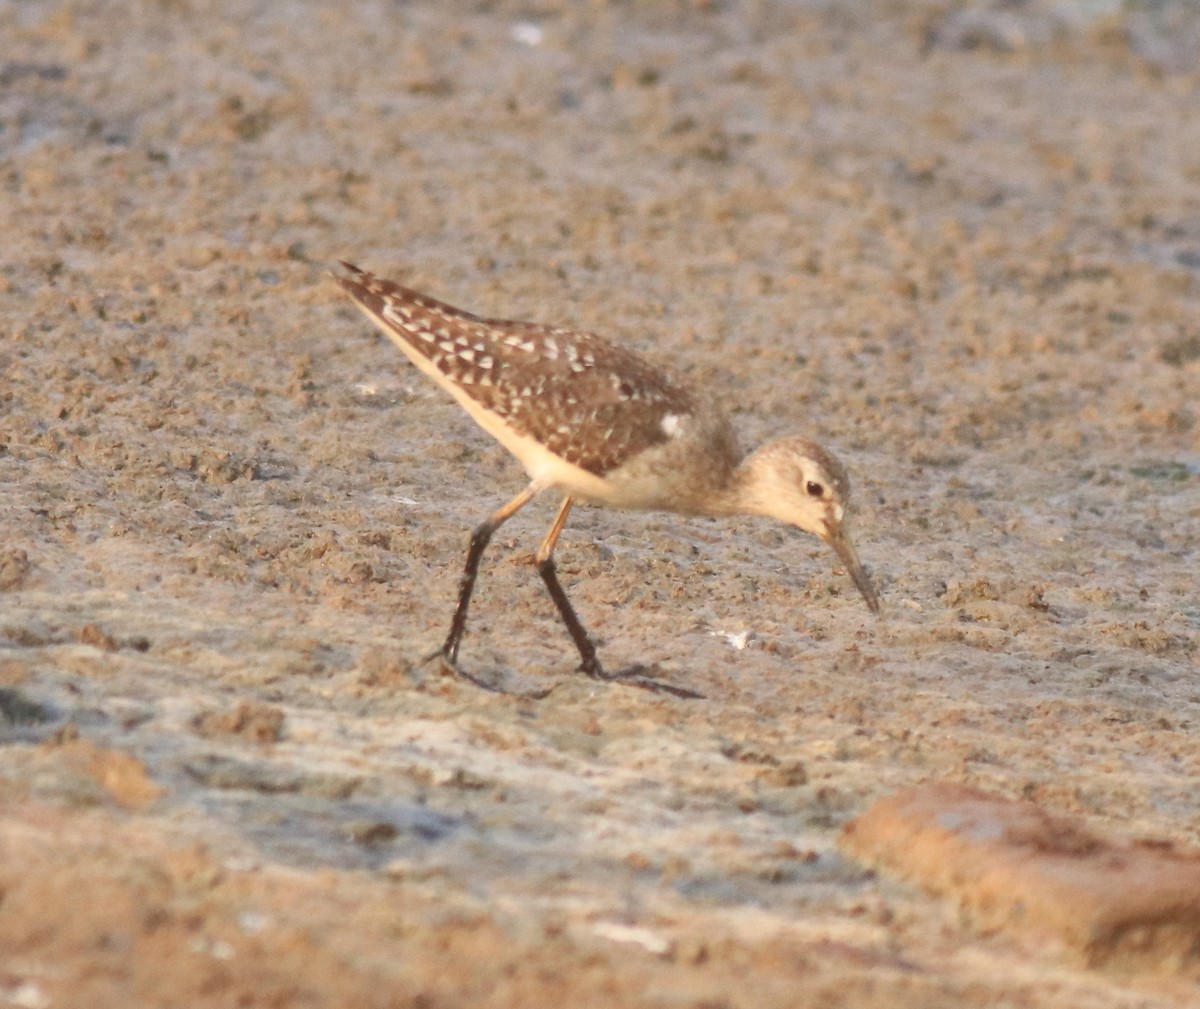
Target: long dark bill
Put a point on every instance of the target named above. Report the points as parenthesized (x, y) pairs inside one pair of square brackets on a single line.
[(837, 538)]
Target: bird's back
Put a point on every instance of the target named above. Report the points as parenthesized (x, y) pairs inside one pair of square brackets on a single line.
[(589, 402)]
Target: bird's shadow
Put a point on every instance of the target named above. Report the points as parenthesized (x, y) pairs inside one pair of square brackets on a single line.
[(514, 684)]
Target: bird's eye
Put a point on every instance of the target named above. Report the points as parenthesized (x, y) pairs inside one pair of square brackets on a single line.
[(814, 489)]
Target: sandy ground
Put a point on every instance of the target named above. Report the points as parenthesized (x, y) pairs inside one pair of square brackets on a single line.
[(960, 245)]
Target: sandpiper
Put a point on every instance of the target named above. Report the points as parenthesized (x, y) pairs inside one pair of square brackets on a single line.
[(601, 425)]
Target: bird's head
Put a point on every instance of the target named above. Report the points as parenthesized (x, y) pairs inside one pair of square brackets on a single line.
[(798, 482)]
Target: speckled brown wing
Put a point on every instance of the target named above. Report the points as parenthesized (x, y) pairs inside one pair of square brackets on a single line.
[(589, 401)]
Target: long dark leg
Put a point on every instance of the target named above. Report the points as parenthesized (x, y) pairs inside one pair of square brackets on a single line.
[(589, 664), (479, 541), (544, 559)]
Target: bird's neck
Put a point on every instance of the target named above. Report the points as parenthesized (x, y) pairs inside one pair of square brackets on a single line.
[(739, 487)]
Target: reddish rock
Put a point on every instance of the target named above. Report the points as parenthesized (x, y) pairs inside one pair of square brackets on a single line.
[(122, 776), (1047, 878)]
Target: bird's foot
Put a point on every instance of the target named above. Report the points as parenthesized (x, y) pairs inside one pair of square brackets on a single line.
[(512, 684), (635, 676)]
